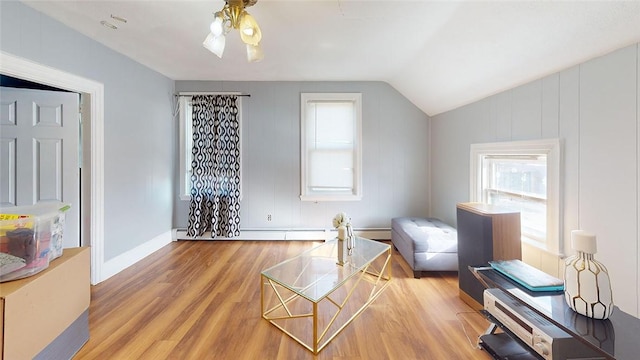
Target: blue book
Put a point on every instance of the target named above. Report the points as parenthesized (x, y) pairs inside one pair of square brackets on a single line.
[(527, 276)]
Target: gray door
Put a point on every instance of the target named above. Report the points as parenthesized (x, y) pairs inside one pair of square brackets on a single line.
[(39, 138)]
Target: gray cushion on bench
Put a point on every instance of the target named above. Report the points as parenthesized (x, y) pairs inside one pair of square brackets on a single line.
[(427, 244)]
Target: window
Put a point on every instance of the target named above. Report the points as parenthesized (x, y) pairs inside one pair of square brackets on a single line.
[(186, 141), (331, 146), (522, 176)]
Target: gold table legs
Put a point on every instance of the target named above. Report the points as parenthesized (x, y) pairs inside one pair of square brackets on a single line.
[(314, 324)]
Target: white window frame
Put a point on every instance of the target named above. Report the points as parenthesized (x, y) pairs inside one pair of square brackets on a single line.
[(356, 194), (184, 102), (552, 149)]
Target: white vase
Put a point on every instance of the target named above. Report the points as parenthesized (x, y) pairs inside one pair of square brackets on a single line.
[(587, 288), (342, 234)]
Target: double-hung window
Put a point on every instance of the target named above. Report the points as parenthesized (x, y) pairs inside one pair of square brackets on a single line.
[(186, 140), (331, 146), (522, 176)]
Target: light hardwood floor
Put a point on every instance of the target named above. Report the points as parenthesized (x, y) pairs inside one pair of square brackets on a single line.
[(201, 300)]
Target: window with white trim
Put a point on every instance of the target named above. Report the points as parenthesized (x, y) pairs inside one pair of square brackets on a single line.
[(186, 141), (522, 176), (331, 146)]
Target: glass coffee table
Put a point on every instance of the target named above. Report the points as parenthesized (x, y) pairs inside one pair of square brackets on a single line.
[(311, 298)]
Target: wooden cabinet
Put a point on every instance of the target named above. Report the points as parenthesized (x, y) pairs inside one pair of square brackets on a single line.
[(485, 233)]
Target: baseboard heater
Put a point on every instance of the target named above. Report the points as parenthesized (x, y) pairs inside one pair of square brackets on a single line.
[(288, 234)]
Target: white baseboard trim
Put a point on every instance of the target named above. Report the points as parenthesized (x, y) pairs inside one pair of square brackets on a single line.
[(287, 234), (123, 261)]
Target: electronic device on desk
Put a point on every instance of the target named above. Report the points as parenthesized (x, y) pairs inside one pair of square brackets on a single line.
[(527, 276), (547, 340)]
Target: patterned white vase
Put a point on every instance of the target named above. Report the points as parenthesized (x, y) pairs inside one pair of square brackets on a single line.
[(587, 288)]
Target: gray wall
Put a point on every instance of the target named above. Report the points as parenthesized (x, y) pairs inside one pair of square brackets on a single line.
[(395, 156), (593, 107), (139, 128)]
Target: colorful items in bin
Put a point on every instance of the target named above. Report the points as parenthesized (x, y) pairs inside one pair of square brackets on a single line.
[(22, 243), (13, 216), (14, 232), (57, 230), (10, 263), (32, 234)]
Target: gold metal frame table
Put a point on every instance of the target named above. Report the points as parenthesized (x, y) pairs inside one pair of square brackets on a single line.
[(311, 298)]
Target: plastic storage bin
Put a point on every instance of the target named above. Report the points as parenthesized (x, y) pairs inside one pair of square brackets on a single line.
[(30, 237)]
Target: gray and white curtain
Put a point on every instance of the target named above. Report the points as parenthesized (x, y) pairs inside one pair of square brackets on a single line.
[(215, 176)]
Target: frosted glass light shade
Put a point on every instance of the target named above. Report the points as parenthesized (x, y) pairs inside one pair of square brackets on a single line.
[(249, 30), (217, 26), (254, 53), (215, 44)]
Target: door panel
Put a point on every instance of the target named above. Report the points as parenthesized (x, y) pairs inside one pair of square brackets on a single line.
[(8, 172), (39, 135), (47, 161)]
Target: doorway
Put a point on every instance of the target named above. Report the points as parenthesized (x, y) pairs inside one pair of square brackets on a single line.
[(40, 150), (92, 179)]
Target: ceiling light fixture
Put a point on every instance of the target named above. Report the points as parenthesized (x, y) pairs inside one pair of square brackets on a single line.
[(108, 25), (234, 16), (119, 18)]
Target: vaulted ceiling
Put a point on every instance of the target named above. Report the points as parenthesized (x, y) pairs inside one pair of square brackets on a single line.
[(438, 54)]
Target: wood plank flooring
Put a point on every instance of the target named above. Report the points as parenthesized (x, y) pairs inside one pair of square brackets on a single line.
[(201, 300)]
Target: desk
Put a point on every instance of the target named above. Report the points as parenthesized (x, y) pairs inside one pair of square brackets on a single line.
[(615, 338), (311, 298)]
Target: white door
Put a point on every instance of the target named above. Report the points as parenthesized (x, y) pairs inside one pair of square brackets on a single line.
[(39, 145)]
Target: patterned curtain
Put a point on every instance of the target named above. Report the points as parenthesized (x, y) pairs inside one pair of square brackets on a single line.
[(215, 176)]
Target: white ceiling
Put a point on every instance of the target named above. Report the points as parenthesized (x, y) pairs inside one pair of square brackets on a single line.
[(439, 54)]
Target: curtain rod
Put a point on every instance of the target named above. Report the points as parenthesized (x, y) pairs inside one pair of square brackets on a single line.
[(188, 93)]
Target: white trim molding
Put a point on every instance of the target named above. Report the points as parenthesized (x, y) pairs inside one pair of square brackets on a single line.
[(123, 261), (28, 70), (287, 234)]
